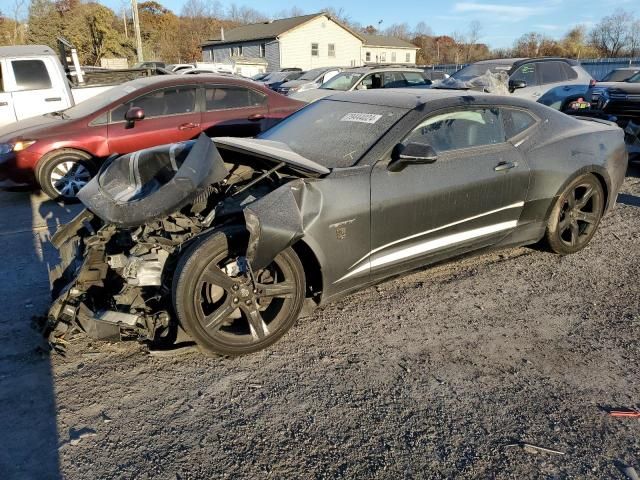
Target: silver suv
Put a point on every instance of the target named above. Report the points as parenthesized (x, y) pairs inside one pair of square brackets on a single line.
[(550, 81), (311, 79), (367, 78)]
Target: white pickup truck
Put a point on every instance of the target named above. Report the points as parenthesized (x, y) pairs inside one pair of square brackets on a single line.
[(33, 82)]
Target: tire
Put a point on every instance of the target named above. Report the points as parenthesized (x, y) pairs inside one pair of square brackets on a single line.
[(575, 216), (62, 173), (226, 315)]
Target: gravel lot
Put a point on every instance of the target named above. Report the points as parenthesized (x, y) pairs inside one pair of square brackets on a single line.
[(434, 375)]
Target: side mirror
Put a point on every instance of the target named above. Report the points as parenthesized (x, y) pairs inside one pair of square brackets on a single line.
[(361, 86), (133, 115), (516, 84), (411, 154)]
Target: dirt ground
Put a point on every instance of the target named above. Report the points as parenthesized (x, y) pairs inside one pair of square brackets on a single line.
[(435, 375)]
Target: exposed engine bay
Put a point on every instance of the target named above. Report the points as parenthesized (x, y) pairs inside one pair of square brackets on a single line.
[(146, 208)]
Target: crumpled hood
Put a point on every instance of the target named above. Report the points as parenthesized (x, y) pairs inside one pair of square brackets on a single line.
[(271, 150), (312, 95)]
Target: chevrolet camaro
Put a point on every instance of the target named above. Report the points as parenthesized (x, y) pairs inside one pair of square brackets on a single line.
[(227, 241)]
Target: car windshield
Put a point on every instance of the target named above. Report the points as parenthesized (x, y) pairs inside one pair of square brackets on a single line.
[(351, 129), (343, 81), (617, 76), (93, 104), (275, 77), (313, 74), (478, 69)]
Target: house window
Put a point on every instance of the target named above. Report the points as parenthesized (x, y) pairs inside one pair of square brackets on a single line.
[(408, 57), (383, 57), (367, 56), (263, 50), (393, 56), (332, 49), (314, 50)]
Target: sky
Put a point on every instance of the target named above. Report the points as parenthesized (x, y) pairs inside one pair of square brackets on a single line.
[(502, 21)]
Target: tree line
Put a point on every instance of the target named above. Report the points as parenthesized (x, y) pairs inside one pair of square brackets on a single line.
[(100, 32)]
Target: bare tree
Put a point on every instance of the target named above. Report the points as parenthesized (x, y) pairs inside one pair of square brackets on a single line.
[(633, 39), (399, 30), (18, 5), (473, 35), (245, 15), (422, 30), (611, 34)]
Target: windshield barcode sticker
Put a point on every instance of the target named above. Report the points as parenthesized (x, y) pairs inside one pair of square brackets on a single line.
[(361, 117)]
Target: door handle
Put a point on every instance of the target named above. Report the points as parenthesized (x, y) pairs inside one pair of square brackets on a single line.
[(4, 104), (188, 126), (53, 99), (502, 166), (255, 117)]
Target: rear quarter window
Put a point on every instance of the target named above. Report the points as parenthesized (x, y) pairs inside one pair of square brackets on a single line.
[(31, 74), (516, 122)]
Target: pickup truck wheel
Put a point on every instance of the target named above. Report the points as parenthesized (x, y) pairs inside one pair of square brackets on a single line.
[(222, 309), (575, 215), (63, 173)]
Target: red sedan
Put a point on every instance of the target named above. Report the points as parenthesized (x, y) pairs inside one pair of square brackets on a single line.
[(61, 151)]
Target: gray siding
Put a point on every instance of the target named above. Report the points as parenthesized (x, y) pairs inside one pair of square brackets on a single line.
[(222, 53), (273, 56)]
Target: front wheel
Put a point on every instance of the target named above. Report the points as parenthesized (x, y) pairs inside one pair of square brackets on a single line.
[(63, 173), (575, 215), (222, 309)]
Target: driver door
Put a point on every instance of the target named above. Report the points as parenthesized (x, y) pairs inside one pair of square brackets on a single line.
[(470, 197), (171, 115)]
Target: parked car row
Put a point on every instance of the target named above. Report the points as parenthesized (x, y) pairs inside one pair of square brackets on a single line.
[(61, 151)]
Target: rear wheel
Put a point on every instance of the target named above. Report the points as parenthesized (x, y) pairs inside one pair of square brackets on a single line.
[(62, 174), (575, 215), (219, 305)]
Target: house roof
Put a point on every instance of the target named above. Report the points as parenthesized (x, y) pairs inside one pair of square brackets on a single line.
[(275, 28), (262, 30), (384, 41)]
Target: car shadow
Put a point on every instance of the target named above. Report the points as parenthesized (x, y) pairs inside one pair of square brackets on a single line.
[(27, 394)]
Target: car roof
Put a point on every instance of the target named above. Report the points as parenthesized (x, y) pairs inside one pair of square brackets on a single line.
[(382, 68), (521, 60), (169, 80), (409, 98)]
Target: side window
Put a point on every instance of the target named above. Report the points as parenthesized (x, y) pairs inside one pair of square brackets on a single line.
[(393, 80), (329, 75), (222, 98), (527, 73), (170, 101), (551, 72), (414, 78), (460, 129), (31, 74), (516, 121), (569, 72), (372, 81)]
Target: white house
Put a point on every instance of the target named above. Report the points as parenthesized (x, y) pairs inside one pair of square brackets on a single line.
[(306, 42)]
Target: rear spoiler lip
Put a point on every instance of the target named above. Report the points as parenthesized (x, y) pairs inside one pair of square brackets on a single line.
[(596, 119)]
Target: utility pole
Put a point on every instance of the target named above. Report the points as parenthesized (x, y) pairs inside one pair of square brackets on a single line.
[(124, 17), (136, 26)]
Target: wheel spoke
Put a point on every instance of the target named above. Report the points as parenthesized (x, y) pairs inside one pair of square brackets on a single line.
[(575, 232), (283, 289), (215, 276), (564, 224), (214, 321), (586, 217), (258, 327), (571, 199), (585, 198)]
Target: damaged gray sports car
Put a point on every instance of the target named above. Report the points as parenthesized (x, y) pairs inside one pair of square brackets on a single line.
[(226, 241)]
